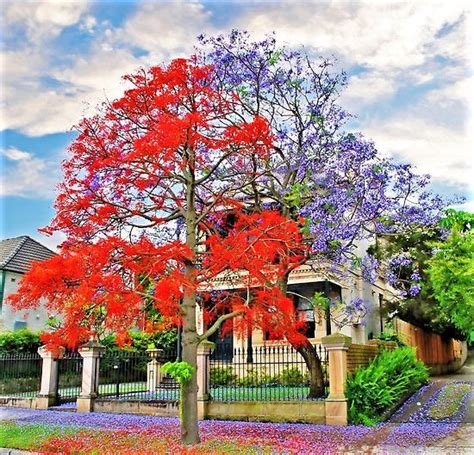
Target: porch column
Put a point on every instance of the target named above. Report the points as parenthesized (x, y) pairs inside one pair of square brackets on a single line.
[(337, 346), (90, 352), (203, 376), (153, 369), (48, 393)]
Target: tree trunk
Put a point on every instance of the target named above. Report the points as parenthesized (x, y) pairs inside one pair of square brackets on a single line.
[(313, 362), (310, 355), (188, 405)]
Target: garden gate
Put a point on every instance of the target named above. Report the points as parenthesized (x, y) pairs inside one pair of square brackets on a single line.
[(69, 378)]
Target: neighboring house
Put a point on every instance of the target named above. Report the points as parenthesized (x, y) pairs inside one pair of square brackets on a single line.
[(16, 255)]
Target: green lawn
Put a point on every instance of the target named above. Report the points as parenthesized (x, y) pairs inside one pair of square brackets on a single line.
[(269, 393), (103, 389), (29, 437)]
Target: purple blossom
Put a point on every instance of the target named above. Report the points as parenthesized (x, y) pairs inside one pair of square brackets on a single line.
[(414, 290)]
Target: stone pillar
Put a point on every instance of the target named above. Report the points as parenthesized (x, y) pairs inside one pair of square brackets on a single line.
[(154, 375), (48, 393), (337, 346), (358, 333), (90, 352), (203, 376)]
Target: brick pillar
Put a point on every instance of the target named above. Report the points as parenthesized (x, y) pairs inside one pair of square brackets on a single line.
[(337, 346), (153, 369), (203, 376), (90, 352), (48, 393)]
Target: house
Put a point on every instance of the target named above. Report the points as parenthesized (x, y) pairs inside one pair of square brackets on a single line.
[(16, 256), (303, 283)]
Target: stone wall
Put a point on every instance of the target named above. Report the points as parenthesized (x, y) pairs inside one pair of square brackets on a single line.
[(268, 411), (18, 402), (158, 408)]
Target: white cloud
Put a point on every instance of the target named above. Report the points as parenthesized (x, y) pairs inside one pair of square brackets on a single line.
[(166, 29), (395, 43), (50, 241), (27, 175), (444, 153), (89, 24), (14, 154), (43, 19), (461, 91), (380, 36), (467, 206), (366, 89), (36, 110)]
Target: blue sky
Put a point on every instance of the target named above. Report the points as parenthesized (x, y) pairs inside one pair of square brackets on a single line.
[(409, 65)]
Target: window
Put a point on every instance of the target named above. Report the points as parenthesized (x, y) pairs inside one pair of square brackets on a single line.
[(19, 325)]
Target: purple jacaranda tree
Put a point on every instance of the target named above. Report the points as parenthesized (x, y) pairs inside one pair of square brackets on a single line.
[(336, 180)]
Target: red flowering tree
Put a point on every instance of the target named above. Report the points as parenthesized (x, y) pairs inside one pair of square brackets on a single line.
[(147, 182)]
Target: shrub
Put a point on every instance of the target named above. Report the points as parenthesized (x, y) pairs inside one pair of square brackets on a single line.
[(222, 376), (292, 377), (20, 341), (254, 378), (18, 385), (387, 336), (374, 390), (181, 371), (140, 341)]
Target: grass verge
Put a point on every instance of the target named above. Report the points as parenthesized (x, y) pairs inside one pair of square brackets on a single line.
[(448, 401)]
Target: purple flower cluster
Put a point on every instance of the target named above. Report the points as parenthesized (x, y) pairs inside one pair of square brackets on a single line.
[(369, 267), (336, 180)]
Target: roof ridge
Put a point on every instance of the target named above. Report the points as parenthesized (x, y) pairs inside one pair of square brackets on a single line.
[(15, 250), (39, 243)]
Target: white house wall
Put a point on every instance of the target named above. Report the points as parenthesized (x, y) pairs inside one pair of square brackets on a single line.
[(35, 319)]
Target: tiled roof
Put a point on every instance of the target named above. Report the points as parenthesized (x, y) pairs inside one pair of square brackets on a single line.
[(17, 254)]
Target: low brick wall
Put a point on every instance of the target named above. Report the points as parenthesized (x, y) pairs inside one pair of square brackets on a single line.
[(159, 408), (268, 411), (263, 411), (359, 355)]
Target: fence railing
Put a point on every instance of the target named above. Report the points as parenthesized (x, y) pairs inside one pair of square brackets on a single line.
[(20, 375), (266, 373), (263, 373), (123, 376)]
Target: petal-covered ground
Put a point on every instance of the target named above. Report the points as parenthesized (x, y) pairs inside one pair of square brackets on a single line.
[(68, 432)]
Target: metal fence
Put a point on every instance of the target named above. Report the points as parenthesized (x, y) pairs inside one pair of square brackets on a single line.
[(266, 373), (123, 376), (20, 375), (69, 377)]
